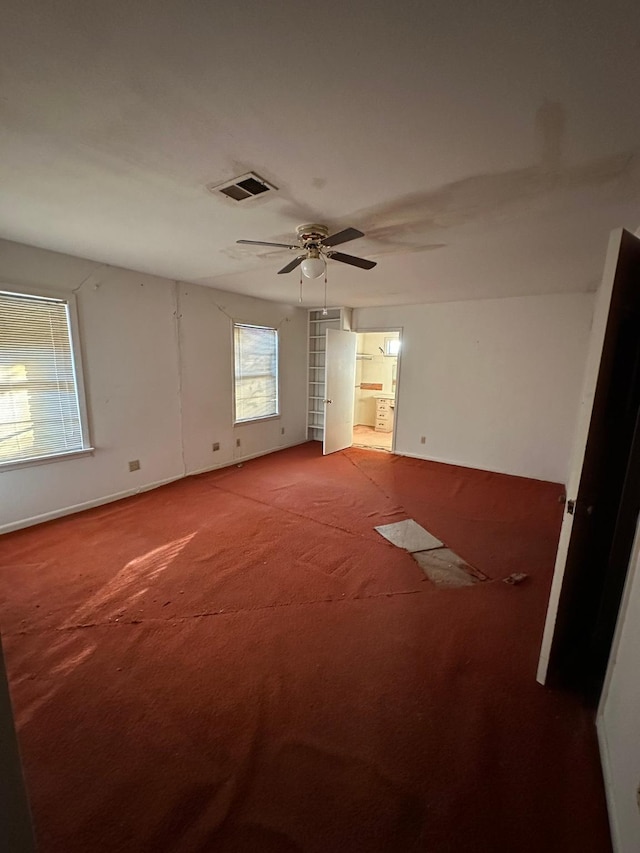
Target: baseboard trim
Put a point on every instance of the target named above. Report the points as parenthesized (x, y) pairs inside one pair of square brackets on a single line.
[(240, 459), (70, 510), (603, 747), (128, 493), (471, 467)]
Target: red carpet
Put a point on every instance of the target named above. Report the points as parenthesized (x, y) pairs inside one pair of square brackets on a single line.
[(238, 662)]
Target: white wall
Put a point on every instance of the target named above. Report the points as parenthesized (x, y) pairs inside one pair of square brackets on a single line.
[(207, 376), (157, 359), (619, 717), (492, 384)]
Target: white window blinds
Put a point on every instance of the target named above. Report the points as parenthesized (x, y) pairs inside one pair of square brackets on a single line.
[(256, 371), (39, 410)]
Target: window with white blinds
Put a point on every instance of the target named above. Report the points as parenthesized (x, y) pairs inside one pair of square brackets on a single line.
[(256, 372), (39, 406)]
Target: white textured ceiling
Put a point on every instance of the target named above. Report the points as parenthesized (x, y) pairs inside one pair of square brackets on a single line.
[(487, 149)]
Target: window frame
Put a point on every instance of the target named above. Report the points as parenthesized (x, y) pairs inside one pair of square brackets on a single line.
[(69, 298), (262, 418)]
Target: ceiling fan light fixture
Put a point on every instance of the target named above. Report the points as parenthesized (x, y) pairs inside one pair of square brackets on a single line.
[(312, 267), (317, 245)]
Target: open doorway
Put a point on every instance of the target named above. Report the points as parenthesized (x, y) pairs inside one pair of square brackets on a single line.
[(374, 404)]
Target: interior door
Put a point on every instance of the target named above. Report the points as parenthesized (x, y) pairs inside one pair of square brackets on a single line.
[(590, 562), (16, 832), (340, 373)]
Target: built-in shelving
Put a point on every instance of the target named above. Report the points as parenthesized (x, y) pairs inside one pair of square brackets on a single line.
[(319, 321)]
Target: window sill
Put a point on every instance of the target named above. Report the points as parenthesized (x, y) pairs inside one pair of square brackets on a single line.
[(257, 420), (45, 460)]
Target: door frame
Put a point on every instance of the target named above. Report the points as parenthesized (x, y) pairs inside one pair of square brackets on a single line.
[(599, 525), (363, 330)]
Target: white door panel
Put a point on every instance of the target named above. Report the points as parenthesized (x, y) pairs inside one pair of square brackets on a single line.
[(339, 388)]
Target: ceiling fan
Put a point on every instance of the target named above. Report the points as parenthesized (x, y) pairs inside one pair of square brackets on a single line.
[(316, 243)]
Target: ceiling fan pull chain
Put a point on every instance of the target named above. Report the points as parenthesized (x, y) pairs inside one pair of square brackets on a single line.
[(324, 310), (300, 297)]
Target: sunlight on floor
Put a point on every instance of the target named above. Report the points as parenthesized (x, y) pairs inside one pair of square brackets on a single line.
[(136, 572), (366, 436)]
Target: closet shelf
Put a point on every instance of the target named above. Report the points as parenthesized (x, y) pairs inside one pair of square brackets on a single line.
[(335, 318)]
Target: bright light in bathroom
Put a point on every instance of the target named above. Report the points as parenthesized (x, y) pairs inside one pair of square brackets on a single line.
[(391, 346)]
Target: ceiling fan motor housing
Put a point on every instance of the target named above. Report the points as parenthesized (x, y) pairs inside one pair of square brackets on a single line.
[(311, 235)]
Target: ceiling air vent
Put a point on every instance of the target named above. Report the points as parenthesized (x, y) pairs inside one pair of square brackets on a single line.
[(244, 188)]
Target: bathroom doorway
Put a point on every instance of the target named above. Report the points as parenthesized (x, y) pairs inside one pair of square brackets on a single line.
[(376, 389)]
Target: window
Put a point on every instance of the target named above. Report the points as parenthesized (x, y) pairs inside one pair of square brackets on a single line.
[(40, 408), (391, 346), (256, 372)]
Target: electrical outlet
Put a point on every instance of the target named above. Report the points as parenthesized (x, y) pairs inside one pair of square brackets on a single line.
[(216, 446), (423, 439), (237, 442), (134, 465)]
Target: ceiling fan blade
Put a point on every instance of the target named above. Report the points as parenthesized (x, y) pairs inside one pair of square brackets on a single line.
[(292, 264), (350, 259), (262, 243), (342, 237)]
